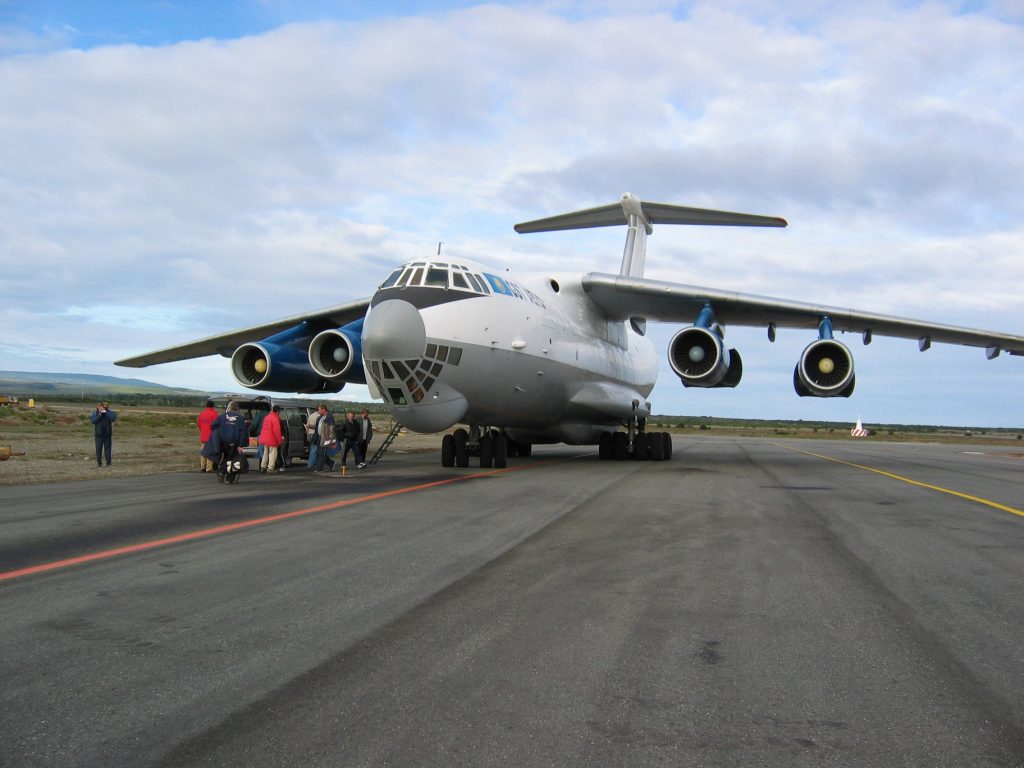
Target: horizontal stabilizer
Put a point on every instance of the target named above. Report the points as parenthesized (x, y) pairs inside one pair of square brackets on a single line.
[(655, 213)]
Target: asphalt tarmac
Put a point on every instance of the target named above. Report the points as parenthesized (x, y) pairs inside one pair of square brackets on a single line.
[(748, 603)]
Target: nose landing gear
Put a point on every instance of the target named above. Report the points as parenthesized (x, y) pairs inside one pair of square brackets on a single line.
[(491, 446)]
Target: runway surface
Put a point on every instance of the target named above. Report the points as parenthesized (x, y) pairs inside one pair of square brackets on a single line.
[(748, 603)]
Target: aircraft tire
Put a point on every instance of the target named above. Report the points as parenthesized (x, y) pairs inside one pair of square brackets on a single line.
[(486, 452), (513, 447), (524, 449), (641, 446), (460, 437), (447, 451), (668, 445), (658, 446), (500, 452), (604, 446), (620, 446)]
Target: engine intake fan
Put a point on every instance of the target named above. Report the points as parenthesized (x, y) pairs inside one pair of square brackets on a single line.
[(825, 369), (338, 354), (699, 359)]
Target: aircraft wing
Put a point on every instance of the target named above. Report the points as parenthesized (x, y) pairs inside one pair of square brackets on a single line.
[(624, 297), (226, 343)]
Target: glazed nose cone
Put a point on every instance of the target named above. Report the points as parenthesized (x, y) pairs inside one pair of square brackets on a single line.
[(394, 331)]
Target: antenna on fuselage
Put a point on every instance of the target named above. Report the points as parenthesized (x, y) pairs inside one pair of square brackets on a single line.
[(439, 247), (634, 212)]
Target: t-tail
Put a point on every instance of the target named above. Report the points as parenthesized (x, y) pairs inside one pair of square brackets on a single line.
[(640, 217)]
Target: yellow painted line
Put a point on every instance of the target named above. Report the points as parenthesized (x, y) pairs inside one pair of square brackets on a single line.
[(939, 488)]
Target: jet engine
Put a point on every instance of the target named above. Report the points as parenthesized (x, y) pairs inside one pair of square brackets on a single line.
[(279, 363), (825, 370), (337, 354), (699, 358)]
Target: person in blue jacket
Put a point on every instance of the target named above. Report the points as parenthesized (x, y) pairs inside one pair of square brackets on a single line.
[(229, 433), (103, 428)]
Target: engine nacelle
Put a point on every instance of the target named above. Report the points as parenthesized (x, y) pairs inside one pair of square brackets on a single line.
[(825, 370), (277, 368), (699, 359), (337, 354)]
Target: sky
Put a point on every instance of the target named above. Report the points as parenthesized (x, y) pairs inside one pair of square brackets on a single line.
[(171, 170)]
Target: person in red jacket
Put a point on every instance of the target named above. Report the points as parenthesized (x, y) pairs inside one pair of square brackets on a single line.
[(204, 421), (270, 439)]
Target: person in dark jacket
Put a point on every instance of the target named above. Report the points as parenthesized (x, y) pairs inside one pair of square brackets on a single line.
[(325, 432), (229, 433), (349, 430), (365, 433), (103, 428)]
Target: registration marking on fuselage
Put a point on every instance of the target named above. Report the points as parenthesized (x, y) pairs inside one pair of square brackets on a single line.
[(929, 486)]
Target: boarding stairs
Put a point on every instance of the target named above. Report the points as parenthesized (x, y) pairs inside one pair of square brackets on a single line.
[(393, 431)]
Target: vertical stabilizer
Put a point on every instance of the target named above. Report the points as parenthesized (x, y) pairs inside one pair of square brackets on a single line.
[(635, 251)]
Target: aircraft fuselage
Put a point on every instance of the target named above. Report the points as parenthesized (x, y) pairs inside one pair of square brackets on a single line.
[(448, 342)]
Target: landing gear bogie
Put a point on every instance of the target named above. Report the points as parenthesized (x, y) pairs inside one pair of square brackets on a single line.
[(652, 446), (492, 446)]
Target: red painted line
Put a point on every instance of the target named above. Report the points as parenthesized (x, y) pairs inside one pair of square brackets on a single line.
[(220, 529)]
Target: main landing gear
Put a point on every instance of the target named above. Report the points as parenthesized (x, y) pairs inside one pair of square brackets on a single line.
[(492, 446), (635, 444), (653, 446)]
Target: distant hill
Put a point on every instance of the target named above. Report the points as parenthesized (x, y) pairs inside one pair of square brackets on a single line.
[(34, 383)]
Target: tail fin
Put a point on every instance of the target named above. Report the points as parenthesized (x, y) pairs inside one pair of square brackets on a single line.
[(634, 212)]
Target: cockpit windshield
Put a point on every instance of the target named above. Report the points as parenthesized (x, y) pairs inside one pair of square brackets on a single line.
[(436, 274)]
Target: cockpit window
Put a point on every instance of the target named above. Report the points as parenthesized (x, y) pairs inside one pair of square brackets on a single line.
[(392, 278), (459, 281), (437, 277), (416, 275), (404, 278), (477, 283)]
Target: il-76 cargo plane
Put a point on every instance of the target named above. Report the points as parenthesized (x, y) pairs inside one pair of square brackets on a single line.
[(547, 357)]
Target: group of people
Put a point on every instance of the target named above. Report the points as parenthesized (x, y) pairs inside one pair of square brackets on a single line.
[(224, 434), (327, 439)]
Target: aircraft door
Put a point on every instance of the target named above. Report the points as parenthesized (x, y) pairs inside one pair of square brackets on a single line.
[(295, 432)]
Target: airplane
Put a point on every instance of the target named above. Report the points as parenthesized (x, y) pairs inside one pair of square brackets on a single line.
[(552, 357)]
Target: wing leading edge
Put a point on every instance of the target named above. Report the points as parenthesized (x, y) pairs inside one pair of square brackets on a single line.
[(621, 298), (226, 343)]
